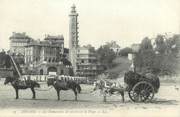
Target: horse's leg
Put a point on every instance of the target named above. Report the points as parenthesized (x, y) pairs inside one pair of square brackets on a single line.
[(122, 95), (58, 92), (17, 95), (34, 93), (104, 96), (75, 93)]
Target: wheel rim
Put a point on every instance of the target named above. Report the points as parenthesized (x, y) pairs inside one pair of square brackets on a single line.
[(131, 95), (142, 92)]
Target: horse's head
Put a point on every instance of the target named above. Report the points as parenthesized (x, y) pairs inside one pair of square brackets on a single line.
[(99, 85), (8, 80), (50, 81)]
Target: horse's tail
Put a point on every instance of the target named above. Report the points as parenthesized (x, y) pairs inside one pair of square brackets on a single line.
[(78, 88)]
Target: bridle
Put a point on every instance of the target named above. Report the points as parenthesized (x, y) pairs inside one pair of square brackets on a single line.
[(99, 85)]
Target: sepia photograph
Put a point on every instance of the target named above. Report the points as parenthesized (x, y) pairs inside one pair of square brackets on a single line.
[(109, 58)]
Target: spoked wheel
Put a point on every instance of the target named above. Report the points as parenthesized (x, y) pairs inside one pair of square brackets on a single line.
[(142, 92), (130, 93)]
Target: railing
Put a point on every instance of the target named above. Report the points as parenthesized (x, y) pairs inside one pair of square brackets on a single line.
[(92, 57), (43, 78)]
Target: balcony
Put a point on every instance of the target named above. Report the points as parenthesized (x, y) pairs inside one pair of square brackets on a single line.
[(87, 64), (92, 57)]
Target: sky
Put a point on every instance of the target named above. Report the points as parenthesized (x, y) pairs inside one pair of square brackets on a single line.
[(100, 21)]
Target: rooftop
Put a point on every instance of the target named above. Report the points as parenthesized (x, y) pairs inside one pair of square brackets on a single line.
[(58, 37), (42, 43), (19, 36)]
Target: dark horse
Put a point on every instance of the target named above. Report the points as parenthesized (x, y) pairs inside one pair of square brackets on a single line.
[(64, 85), (109, 90), (6, 61), (19, 84)]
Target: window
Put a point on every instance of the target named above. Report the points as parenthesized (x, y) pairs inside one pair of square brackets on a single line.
[(49, 59), (45, 59), (62, 71)]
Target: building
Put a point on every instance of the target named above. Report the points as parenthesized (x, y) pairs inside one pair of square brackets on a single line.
[(87, 64), (83, 60), (73, 37), (66, 53), (46, 56), (18, 41)]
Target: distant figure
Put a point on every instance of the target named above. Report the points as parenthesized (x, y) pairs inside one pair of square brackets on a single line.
[(132, 67), (28, 80)]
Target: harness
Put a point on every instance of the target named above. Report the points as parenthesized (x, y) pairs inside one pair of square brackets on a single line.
[(19, 83)]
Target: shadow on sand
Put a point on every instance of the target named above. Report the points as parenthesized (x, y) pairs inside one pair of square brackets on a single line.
[(31, 99), (155, 101), (165, 102)]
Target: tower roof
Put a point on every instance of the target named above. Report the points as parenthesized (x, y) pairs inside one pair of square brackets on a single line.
[(73, 9)]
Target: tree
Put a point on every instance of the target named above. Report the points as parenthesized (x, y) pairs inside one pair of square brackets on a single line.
[(165, 62), (160, 43), (173, 43), (144, 59), (112, 44), (146, 44), (105, 56), (90, 47), (125, 51)]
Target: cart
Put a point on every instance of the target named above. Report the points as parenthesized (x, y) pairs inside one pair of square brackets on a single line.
[(141, 88)]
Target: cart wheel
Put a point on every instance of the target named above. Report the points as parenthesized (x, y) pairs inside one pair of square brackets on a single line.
[(130, 93), (142, 92)]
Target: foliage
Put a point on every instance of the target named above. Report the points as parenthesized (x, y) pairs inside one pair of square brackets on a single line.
[(105, 55), (163, 59), (145, 57), (90, 47), (125, 51), (146, 44), (160, 43), (112, 44)]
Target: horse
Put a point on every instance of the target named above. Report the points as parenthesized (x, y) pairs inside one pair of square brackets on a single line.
[(64, 85), (108, 90), (19, 84)]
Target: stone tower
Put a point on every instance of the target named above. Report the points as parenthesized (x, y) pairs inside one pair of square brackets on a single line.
[(73, 36)]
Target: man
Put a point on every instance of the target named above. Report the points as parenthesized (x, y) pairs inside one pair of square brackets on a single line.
[(27, 82)]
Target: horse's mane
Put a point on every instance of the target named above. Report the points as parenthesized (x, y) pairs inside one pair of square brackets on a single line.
[(36, 83)]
